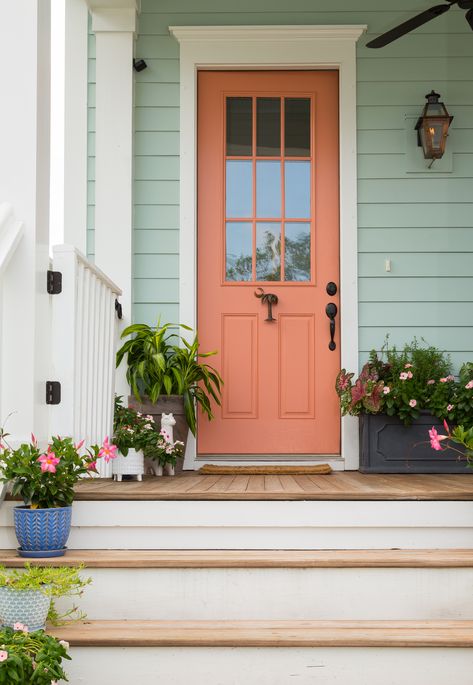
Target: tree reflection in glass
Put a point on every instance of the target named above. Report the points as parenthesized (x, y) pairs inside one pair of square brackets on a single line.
[(268, 251), (297, 252)]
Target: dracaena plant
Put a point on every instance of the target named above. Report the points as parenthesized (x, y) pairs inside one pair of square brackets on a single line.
[(161, 362), (31, 658), (45, 477), (403, 382)]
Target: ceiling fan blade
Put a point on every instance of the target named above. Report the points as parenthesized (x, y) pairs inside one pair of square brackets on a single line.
[(408, 26), (469, 18)]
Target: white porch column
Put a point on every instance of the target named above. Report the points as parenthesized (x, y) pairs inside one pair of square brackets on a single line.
[(69, 124), (115, 31), (24, 183)]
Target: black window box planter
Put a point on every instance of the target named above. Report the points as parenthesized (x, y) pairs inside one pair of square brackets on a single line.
[(388, 446)]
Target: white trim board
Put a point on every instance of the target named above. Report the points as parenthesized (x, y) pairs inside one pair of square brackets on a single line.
[(262, 47)]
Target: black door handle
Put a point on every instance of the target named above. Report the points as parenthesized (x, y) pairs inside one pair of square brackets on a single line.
[(331, 310)]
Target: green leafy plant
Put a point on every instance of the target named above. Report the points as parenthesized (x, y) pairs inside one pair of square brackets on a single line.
[(45, 478), (31, 658), (159, 365), (54, 582), (404, 382)]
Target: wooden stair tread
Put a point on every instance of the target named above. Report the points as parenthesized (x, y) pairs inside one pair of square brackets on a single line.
[(348, 485), (267, 634), (369, 558)]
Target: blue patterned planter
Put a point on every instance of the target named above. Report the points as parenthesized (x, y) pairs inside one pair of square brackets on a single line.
[(29, 607), (42, 532)]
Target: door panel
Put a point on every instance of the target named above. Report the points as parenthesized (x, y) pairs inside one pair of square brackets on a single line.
[(268, 198)]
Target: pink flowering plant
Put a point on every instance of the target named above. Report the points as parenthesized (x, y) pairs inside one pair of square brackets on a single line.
[(404, 382), (456, 436), (162, 449), (132, 429), (31, 658), (44, 477)]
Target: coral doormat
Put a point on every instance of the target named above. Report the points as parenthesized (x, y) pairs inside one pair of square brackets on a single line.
[(282, 470)]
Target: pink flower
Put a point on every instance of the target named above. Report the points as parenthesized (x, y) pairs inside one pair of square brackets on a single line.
[(48, 462), (431, 382), (443, 380), (408, 366), (92, 466), (409, 374), (449, 407), (108, 450), (450, 377), (403, 376), (79, 445), (412, 403), (20, 626), (3, 655), (435, 439), (386, 390), (469, 385), (445, 424), (33, 440)]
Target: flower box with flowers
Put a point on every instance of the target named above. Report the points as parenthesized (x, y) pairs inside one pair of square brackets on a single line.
[(398, 396)]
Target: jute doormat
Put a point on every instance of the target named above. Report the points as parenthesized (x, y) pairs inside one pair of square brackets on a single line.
[(285, 470)]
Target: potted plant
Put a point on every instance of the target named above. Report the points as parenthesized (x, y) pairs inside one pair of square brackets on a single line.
[(44, 478), (166, 376), (31, 658), (457, 436), (397, 395), (163, 452), (27, 596), (130, 432)]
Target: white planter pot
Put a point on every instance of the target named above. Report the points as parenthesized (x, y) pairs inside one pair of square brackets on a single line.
[(131, 465)]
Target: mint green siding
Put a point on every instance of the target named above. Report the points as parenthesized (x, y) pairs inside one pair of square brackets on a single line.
[(422, 220)]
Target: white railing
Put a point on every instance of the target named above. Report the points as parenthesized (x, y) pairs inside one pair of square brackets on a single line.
[(11, 232), (84, 340)]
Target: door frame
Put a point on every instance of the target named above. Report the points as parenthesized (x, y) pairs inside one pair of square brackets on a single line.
[(260, 48)]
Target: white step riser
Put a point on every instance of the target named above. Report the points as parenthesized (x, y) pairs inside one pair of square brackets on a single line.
[(269, 666), (312, 594), (263, 525)]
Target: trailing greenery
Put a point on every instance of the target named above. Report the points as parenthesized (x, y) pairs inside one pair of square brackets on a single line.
[(31, 658), (52, 581), (404, 382), (158, 366)]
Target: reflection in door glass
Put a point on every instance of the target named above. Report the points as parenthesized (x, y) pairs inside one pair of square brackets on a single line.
[(297, 189), (239, 126), (268, 190), (268, 251), (268, 127), (239, 251), (297, 127), (297, 252), (239, 190)]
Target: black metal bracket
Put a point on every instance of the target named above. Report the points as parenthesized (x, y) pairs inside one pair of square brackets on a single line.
[(53, 392), (54, 282), (118, 309)]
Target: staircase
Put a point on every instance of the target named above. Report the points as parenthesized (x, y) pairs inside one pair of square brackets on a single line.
[(204, 591)]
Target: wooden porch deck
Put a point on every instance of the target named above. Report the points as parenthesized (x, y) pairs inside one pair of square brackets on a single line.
[(337, 486)]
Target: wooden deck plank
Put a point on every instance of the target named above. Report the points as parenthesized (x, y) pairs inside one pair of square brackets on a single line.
[(368, 558), (337, 486), (268, 634)]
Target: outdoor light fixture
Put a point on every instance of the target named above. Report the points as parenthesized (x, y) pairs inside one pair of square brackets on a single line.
[(432, 127), (139, 64)]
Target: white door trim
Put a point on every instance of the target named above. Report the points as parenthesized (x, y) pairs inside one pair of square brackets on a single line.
[(273, 47)]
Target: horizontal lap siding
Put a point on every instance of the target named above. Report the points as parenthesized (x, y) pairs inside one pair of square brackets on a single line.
[(421, 220)]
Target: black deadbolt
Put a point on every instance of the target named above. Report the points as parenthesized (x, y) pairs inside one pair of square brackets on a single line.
[(331, 288)]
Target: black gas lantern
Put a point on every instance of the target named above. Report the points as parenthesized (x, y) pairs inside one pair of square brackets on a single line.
[(432, 127)]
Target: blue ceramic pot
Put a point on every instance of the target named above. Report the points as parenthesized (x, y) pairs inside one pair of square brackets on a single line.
[(42, 532), (29, 607)]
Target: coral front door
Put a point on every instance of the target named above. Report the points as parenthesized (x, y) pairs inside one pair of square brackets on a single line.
[(268, 259)]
